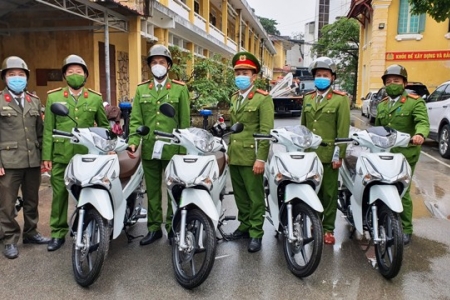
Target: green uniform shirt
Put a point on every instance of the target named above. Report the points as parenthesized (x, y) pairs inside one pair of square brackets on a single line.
[(20, 132), (329, 119), (408, 115), (87, 111), (256, 113), (145, 111)]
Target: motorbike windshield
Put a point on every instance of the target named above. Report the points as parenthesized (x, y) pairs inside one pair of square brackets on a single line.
[(203, 140), (383, 137), (302, 137), (103, 133)]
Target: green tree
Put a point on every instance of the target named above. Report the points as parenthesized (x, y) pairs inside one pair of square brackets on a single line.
[(211, 81), (340, 42), (437, 9), (269, 25)]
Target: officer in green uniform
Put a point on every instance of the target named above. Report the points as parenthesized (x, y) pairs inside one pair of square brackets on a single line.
[(406, 113), (254, 109), (20, 156), (86, 107), (149, 97), (326, 113)]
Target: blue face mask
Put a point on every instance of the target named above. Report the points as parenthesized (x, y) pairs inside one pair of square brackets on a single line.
[(242, 82), (16, 83), (322, 83)]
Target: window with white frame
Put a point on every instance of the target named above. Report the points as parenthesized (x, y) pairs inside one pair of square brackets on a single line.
[(408, 23)]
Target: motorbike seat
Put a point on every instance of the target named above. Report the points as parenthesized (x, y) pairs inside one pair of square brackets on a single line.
[(128, 166), (221, 161)]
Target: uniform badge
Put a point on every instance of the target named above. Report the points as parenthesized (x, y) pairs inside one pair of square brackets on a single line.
[(243, 57)]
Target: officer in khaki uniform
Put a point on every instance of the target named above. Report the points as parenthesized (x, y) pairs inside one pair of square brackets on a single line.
[(149, 97), (406, 113), (326, 112), (254, 109), (85, 107), (20, 156)]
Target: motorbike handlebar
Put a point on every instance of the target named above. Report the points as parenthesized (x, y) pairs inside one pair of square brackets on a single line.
[(161, 133), (63, 133), (323, 144), (262, 135), (343, 140)]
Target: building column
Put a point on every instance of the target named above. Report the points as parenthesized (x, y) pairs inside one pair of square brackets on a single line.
[(225, 20), (190, 63), (205, 4), (190, 4), (162, 35), (238, 29), (134, 54), (247, 34)]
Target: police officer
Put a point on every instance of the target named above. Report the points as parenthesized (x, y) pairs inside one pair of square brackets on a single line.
[(86, 107), (254, 109), (326, 113), (406, 113), (20, 156), (149, 97)]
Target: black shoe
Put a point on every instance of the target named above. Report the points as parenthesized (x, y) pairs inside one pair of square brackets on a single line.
[(406, 238), (11, 251), (237, 234), (151, 237), (55, 244), (254, 245), (36, 239)]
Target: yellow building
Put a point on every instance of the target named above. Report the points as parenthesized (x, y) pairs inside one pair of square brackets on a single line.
[(280, 66), (114, 37), (391, 35)]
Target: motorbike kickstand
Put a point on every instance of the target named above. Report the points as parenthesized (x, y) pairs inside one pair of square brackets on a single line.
[(352, 232), (225, 236), (130, 237)]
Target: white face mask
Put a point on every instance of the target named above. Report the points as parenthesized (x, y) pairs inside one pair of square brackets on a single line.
[(159, 70)]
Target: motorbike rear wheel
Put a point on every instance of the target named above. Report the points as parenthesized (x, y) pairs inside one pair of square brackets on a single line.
[(87, 262), (389, 252), (193, 264), (303, 255)]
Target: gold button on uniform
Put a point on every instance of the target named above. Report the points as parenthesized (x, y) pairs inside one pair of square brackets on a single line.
[(251, 146)]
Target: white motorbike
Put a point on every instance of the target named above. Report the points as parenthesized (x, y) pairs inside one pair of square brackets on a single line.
[(292, 179), (372, 185), (196, 185), (108, 191)]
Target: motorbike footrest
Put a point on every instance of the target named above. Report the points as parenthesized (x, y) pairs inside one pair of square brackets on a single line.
[(229, 218)]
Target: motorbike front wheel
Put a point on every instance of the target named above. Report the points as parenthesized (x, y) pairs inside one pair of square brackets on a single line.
[(304, 253), (193, 264), (88, 261), (389, 251)]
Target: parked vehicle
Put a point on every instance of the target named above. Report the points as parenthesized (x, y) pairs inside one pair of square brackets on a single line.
[(108, 191), (372, 184), (416, 88), (292, 179), (365, 108), (196, 185), (438, 105)]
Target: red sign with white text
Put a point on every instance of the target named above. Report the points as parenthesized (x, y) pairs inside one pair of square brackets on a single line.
[(419, 55)]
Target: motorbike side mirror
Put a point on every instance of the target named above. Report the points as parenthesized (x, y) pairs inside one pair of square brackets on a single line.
[(167, 110), (237, 127), (143, 130), (59, 109)]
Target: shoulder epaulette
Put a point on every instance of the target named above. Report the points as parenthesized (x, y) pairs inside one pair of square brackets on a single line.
[(178, 82), (235, 93), (95, 92), (144, 82), (385, 99), (262, 92), (414, 96), (32, 95), (340, 93), (55, 90)]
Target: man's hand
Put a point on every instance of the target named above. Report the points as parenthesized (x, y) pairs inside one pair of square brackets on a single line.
[(131, 150), (418, 139), (48, 164), (258, 167), (2, 171), (337, 164)]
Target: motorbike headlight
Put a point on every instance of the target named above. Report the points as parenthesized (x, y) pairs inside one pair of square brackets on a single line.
[(383, 141), (172, 178), (405, 176), (372, 173), (282, 173), (313, 173), (102, 176), (205, 178), (203, 140), (104, 144)]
